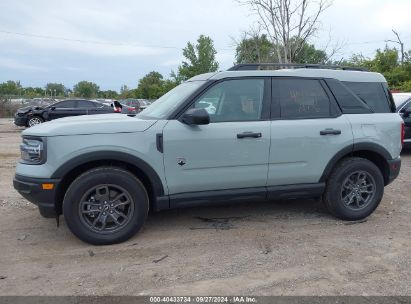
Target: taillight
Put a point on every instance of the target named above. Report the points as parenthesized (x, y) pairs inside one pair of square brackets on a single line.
[(402, 133)]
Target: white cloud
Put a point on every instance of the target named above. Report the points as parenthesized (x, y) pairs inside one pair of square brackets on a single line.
[(13, 64), (393, 15), (127, 29)]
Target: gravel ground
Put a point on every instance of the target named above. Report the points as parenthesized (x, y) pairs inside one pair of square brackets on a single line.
[(279, 248)]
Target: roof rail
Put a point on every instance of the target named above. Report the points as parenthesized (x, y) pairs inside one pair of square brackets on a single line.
[(278, 66)]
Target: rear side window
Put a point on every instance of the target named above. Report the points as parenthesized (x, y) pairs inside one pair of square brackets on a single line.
[(66, 104), (372, 93), (86, 104), (303, 98), (347, 100)]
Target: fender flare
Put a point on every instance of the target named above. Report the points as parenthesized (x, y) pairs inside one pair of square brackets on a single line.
[(134, 161), (368, 146)]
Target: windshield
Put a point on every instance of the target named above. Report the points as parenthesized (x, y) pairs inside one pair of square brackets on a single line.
[(167, 103)]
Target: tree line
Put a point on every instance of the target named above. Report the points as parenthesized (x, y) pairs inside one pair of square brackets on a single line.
[(283, 33)]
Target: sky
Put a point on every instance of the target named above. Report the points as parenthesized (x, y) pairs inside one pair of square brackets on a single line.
[(115, 43)]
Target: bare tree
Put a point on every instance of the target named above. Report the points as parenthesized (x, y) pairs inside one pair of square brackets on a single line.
[(288, 23), (398, 41)]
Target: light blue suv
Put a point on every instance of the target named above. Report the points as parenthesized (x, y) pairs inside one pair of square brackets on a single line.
[(294, 132)]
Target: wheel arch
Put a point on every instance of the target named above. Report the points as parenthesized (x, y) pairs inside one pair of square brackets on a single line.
[(69, 171), (375, 153)]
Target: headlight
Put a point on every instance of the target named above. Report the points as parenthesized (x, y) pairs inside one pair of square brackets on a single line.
[(33, 150)]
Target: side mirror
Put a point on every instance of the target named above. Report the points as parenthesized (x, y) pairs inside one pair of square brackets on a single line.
[(53, 108), (196, 117)]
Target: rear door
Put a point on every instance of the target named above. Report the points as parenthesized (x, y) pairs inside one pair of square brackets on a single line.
[(86, 107), (307, 130), (229, 153)]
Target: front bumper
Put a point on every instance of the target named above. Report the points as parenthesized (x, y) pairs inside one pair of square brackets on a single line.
[(31, 189), (394, 166), (20, 121)]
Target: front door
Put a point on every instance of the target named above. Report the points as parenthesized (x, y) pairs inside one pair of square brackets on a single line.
[(64, 109), (229, 153)]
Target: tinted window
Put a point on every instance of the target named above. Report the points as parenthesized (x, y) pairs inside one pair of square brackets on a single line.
[(233, 100), (372, 93), (303, 98), (85, 104), (66, 104), (347, 100)]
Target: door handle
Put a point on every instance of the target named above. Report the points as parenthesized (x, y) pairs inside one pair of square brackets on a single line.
[(249, 134), (330, 132)]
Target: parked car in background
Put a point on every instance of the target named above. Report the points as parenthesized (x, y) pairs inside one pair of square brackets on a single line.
[(403, 107), (138, 104), (34, 115), (208, 106)]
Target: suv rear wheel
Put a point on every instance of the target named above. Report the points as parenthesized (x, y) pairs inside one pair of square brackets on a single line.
[(354, 189), (105, 206)]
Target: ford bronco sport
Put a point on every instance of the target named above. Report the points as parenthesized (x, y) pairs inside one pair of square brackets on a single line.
[(277, 132)]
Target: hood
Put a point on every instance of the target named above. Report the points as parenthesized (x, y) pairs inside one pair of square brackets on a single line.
[(28, 109), (90, 124)]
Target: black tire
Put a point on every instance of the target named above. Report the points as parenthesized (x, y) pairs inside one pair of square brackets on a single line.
[(342, 201), (34, 120), (104, 185)]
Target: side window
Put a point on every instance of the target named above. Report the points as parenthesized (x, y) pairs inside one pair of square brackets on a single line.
[(85, 104), (303, 98), (66, 104), (233, 100)]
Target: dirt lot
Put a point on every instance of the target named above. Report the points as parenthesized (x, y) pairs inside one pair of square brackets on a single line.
[(278, 248)]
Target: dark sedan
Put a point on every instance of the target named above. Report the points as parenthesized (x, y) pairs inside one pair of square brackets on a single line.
[(403, 105), (31, 116)]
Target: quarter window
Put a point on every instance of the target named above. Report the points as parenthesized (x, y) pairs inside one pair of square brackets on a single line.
[(303, 98), (233, 100), (372, 93)]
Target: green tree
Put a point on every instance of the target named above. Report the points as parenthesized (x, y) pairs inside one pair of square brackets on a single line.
[(386, 62), (200, 58), (150, 86), (55, 89), (310, 55), (86, 89), (11, 88), (30, 92), (108, 94), (256, 49)]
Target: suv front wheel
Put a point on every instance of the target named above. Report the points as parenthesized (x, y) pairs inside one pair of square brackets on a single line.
[(105, 206), (354, 189)]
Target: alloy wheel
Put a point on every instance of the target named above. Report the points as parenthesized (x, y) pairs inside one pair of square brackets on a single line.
[(358, 190), (106, 208), (34, 121)]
